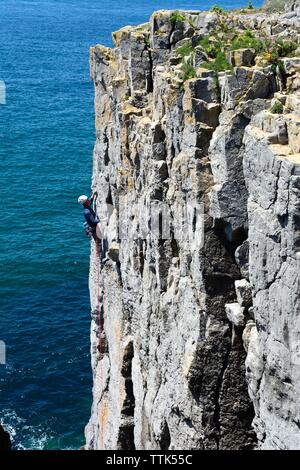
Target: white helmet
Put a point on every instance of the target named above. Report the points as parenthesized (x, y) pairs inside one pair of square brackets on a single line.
[(82, 199)]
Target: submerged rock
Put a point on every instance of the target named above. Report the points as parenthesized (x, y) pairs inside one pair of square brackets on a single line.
[(5, 442)]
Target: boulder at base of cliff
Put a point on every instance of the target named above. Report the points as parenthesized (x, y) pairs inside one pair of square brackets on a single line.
[(5, 443)]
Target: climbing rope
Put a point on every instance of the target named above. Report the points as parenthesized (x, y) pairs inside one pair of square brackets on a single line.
[(100, 334), (97, 242)]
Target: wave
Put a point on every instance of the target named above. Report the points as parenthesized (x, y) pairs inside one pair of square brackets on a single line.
[(24, 436)]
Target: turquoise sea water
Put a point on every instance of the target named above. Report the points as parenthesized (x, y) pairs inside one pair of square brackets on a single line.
[(46, 141)]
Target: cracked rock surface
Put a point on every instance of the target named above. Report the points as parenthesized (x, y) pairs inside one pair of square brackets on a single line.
[(199, 341)]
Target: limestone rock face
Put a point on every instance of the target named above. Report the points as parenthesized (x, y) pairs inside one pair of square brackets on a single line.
[(293, 5), (194, 332), (235, 314), (287, 5), (242, 57), (272, 174)]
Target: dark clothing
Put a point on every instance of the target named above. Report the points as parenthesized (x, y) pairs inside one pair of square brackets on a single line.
[(90, 217), (91, 223)]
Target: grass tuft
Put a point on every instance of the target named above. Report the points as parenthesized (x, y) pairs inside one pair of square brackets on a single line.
[(217, 9), (245, 40), (188, 72), (176, 16), (184, 50), (277, 108), (220, 64)]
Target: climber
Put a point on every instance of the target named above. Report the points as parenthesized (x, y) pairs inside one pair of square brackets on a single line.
[(89, 214), (92, 221)]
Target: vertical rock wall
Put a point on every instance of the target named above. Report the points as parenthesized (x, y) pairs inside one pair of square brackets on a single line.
[(287, 5), (177, 315), (272, 174)]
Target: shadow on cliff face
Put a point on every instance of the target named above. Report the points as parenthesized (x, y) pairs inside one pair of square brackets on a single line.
[(126, 431), (5, 443)]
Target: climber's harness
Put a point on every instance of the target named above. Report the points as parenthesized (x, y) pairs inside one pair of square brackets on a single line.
[(89, 231)]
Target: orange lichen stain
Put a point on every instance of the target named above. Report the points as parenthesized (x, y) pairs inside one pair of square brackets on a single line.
[(117, 331), (120, 171), (171, 98), (121, 35), (125, 177), (130, 183), (128, 110), (189, 119), (103, 118), (126, 164), (98, 122), (107, 115), (103, 418)]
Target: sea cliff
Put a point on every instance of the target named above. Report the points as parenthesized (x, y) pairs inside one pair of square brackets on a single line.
[(199, 328)]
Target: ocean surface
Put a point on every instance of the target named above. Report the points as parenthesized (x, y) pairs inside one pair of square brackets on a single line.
[(46, 142)]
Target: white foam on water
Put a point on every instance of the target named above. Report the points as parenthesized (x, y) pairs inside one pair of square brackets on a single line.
[(23, 437)]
